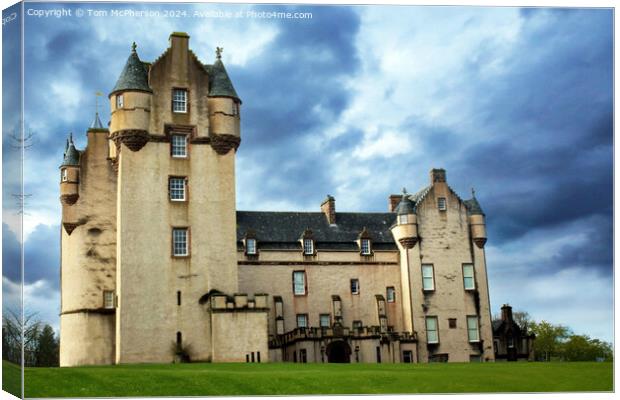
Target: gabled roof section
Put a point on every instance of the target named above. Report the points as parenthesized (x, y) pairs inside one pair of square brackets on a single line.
[(134, 75), (283, 229)]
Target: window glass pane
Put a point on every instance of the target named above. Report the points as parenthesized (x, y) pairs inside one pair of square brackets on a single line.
[(355, 286), (179, 240), (441, 203), (431, 330), (299, 283), (302, 321), (177, 188), (179, 145), (472, 329), (308, 246), (427, 277), (468, 276), (108, 299), (365, 246), (402, 219), (119, 101), (391, 294), (179, 100), (325, 320), (251, 246)]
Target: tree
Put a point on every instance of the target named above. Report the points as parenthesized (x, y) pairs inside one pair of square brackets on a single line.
[(16, 331), (47, 348), (549, 339), (523, 319), (582, 348)]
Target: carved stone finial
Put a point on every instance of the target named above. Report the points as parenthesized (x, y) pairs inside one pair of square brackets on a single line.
[(133, 47), (404, 191), (218, 52)]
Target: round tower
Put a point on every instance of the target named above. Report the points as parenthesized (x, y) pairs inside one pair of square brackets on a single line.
[(224, 108), (476, 221), (70, 174), (406, 228), (130, 102)]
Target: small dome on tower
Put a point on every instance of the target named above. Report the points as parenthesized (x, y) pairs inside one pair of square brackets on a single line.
[(134, 75), (406, 206), (219, 82), (72, 155)]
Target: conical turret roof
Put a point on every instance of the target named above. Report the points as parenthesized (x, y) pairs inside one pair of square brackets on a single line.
[(72, 155), (134, 75), (96, 124), (473, 207), (406, 206), (219, 82)]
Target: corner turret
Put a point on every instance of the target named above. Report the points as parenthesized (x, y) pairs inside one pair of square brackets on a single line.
[(70, 174), (224, 107), (130, 102), (476, 220), (405, 231)]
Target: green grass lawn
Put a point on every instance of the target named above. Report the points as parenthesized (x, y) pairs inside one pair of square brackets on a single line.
[(11, 378), (290, 379)]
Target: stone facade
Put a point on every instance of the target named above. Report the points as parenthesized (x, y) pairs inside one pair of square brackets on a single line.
[(159, 266)]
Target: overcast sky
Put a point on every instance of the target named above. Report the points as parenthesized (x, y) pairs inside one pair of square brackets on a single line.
[(358, 102)]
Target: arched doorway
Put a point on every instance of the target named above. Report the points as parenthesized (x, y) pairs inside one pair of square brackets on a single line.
[(338, 352)]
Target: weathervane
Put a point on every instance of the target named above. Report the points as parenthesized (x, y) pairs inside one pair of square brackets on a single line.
[(218, 52), (473, 192), (133, 47), (97, 105)]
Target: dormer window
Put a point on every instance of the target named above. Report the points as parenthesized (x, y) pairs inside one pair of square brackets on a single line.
[(179, 100), (403, 219), (308, 247), (250, 247), (365, 247), (63, 175), (441, 204), (119, 101)]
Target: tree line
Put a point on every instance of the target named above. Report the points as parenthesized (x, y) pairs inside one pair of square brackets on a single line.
[(41, 344), (559, 343)]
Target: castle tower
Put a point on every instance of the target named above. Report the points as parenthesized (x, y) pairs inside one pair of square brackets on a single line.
[(175, 132), (88, 252)]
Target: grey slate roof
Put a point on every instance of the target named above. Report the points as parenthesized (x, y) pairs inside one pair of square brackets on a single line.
[(219, 82), (96, 124), (473, 207), (283, 229), (406, 206), (134, 75), (72, 155)]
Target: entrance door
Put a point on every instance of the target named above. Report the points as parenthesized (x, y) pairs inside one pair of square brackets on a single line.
[(338, 352)]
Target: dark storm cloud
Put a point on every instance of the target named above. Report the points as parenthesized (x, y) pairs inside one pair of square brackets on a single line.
[(293, 92), (11, 258), (41, 255), (546, 157)]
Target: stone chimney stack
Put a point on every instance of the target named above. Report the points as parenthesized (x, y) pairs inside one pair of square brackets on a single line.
[(393, 201), (329, 209), (506, 313), (438, 175)]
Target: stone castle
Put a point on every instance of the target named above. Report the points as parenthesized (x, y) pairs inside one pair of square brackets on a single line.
[(157, 264)]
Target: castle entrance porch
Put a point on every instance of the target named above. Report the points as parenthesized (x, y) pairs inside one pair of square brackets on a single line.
[(338, 351)]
